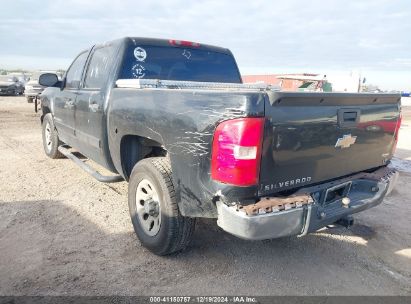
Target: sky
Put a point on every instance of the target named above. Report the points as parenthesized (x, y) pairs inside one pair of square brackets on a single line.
[(371, 37)]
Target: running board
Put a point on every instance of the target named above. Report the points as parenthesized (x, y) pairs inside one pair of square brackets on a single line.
[(88, 169)]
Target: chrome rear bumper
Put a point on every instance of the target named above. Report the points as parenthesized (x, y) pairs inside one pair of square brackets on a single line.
[(364, 194)]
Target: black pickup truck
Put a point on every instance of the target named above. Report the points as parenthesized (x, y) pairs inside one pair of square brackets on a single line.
[(173, 119)]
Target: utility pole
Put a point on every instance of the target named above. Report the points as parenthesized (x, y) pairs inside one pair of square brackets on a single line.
[(359, 83)]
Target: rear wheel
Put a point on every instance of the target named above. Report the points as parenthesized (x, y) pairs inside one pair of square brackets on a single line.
[(51, 140), (153, 208)]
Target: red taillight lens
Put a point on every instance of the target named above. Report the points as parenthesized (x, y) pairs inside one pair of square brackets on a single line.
[(183, 43), (236, 151), (397, 129)]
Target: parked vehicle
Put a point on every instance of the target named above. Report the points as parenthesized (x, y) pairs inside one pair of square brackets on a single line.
[(22, 77), (174, 120), (33, 88), (10, 85)]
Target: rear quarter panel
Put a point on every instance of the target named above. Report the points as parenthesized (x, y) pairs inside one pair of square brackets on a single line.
[(183, 121)]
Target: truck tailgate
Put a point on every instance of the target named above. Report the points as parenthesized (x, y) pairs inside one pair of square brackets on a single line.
[(314, 137)]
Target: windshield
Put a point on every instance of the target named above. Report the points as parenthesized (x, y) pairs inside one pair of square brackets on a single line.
[(7, 78), (174, 63)]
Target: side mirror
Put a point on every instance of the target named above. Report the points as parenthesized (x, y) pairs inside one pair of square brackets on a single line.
[(48, 79)]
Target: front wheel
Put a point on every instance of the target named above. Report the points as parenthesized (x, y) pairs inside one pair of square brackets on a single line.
[(51, 140), (153, 208)]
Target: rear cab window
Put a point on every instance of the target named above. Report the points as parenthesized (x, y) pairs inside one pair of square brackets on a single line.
[(178, 63)]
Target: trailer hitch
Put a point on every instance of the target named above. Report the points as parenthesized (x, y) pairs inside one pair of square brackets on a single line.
[(346, 221)]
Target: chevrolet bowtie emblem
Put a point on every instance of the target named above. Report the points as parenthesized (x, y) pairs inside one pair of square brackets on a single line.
[(346, 141)]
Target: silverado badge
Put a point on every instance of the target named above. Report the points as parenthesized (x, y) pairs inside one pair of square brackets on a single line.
[(346, 141)]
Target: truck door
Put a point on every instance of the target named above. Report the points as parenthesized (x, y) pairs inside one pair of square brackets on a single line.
[(64, 102), (90, 121)]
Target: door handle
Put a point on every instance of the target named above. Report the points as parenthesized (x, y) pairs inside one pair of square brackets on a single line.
[(68, 102), (94, 106), (348, 118)]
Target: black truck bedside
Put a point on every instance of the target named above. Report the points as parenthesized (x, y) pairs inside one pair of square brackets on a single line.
[(174, 119)]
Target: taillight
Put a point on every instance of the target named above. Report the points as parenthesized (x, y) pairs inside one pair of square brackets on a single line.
[(236, 151), (183, 43), (397, 129)]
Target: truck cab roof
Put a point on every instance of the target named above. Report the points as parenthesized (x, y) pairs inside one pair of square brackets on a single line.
[(166, 42)]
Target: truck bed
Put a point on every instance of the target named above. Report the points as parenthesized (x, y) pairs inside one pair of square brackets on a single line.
[(310, 137)]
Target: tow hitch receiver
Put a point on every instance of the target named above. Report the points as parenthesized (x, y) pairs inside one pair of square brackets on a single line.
[(275, 204), (346, 221)]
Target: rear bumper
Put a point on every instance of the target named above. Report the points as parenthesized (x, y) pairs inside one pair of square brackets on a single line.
[(364, 193)]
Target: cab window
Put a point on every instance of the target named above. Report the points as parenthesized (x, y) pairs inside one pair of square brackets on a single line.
[(73, 76), (99, 67)]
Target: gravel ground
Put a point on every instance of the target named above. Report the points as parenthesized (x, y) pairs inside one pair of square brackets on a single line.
[(63, 233)]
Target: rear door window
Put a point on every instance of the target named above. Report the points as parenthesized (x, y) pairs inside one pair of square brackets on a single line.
[(99, 67), (177, 63), (73, 76)]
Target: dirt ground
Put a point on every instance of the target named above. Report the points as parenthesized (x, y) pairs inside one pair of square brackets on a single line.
[(63, 233)]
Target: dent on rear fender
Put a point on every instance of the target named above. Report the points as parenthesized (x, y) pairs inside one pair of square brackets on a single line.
[(192, 150), (193, 143), (190, 156), (197, 143)]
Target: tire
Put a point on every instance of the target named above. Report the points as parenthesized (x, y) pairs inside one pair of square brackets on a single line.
[(171, 232), (51, 140)]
